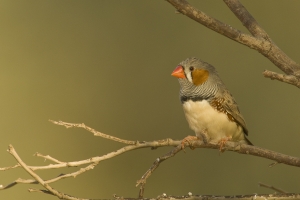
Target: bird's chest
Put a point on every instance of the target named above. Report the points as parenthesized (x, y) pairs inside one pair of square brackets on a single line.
[(202, 116)]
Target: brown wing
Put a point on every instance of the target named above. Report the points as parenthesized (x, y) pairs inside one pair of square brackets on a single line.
[(227, 105)]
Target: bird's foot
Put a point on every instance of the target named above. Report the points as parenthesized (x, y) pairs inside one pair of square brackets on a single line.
[(222, 142), (189, 140)]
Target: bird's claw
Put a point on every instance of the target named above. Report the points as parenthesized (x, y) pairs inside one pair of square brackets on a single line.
[(188, 140), (222, 142)]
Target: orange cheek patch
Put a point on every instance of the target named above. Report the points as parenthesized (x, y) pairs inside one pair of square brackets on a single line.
[(199, 76)]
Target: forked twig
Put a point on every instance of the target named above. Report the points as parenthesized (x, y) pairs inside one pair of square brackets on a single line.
[(96, 133), (12, 151), (92, 162), (156, 163), (47, 157), (282, 77), (259, 40)]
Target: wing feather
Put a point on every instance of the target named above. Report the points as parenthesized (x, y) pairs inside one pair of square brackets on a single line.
[(228, 105)]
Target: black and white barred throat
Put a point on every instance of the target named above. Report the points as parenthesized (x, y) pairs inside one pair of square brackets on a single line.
[(189, 91)]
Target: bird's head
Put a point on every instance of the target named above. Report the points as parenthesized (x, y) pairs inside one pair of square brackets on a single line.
[(194, 70), (197, 78)]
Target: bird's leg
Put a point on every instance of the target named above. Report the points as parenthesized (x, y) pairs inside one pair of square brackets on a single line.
[(223, 141), (202, 135)]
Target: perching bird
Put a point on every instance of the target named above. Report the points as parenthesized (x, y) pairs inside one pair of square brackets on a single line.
[(209, 108)]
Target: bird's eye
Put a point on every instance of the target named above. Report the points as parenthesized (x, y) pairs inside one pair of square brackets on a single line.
[(191, 68)]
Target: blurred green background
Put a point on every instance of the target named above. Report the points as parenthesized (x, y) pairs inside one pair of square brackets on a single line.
[(107, 64)]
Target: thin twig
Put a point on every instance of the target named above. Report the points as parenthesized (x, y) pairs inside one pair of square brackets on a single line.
[(273, 164), (19, 180), (62, 176), (47, 157), (66, 196), (96, 133), (60, 195), (38, 190), (272, 188), (138, 145), (10, 167), (74, 174), (290, 79), (156, 163)]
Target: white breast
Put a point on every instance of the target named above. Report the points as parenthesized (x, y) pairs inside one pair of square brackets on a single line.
[(201, 116)]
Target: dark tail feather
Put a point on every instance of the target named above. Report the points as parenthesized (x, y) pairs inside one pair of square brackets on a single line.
[(248, 141)]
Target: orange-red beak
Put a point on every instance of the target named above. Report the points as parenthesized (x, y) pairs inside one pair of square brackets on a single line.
[(178, 72)]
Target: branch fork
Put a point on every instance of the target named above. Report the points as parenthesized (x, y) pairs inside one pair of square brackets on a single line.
[(91, 163), (259, 40)]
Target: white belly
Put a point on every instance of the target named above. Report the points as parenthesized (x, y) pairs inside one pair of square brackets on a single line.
[(201, 116)]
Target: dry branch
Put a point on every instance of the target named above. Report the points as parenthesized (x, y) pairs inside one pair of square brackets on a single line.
[(247, 19), (92, 162), (229, 146), (233, 197), (281, 77), (259, 40), (12, 151), (272, 188), (96, 133)]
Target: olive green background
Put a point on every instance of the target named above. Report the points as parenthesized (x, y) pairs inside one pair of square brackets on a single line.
[(107, 64)]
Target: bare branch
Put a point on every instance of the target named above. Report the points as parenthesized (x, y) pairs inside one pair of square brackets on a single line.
[(185, 8), (218, 197), (74, 174), (252, 150), (148, 173), (60, 195), (96, 133), (156, 164), (10, 167), (92, 162), (19, 180), (47, 157), (247, 19), (138, 145), (62, 176), (229, 146), (260, 40), (275, 55), (272, 188), (290, 79), (38, 190), (35, 176)]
